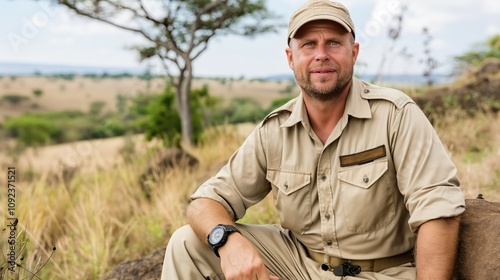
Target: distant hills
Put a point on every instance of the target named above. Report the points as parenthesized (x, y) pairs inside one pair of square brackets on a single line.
[(25, 69), (28, 69)]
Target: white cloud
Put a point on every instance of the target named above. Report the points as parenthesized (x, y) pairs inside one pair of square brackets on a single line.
[(69, 24), (492, 30), (424, 14), (491, 7), (87, 29), (438, 44), (61, 41)]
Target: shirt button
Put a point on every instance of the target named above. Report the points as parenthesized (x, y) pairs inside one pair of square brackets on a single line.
[(323, 177), (329, 243), (327, 216), (366, 179), (367, 90)]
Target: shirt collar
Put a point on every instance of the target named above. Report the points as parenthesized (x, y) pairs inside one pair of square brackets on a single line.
[(356, 105), (298, 113)]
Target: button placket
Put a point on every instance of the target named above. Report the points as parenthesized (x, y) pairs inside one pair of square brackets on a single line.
[(324, 183)]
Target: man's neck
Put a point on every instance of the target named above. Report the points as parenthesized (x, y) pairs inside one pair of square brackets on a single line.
[(324, 115)]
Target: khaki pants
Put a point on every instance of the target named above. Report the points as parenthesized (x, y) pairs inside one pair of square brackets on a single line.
[(187, 258)]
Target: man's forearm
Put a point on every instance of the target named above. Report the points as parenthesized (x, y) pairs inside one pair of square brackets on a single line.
[(204, 214), (436, 250)]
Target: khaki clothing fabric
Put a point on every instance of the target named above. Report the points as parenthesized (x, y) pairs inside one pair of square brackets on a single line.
[(363, 194), (188, 258)]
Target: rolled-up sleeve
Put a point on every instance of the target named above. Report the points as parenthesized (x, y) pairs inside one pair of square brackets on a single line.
[(242, 182), (426, 176)]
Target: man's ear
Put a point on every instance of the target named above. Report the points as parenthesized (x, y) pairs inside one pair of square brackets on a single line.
[(355, 52), (289, 57)]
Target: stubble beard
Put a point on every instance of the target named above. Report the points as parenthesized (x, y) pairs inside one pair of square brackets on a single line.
[(324, 94)]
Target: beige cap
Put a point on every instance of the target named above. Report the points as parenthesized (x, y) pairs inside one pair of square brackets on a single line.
[(318, 10)]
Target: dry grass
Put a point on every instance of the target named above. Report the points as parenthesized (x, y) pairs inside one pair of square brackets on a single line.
[(103, 217), (474, 144)]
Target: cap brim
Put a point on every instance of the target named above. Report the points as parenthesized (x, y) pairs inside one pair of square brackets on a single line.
[(320, 17)]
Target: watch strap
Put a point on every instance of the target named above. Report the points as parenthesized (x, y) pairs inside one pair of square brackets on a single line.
[(228, 229)]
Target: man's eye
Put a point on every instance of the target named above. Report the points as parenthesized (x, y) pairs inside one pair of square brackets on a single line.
[(333, 43), (309, 44)]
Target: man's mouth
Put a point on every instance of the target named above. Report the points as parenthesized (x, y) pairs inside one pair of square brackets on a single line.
[(322, 71)]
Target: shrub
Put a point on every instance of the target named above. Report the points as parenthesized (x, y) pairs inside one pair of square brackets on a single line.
[(31, 130), (163, 121), (279, 102), (37, 92), (14, 99)]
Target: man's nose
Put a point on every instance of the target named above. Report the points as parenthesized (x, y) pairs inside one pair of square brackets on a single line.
[(321, 53)]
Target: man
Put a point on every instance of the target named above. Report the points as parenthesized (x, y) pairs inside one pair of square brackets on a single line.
[(359, 177)]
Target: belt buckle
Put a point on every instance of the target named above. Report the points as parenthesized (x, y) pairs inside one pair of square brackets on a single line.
[(344, 269)]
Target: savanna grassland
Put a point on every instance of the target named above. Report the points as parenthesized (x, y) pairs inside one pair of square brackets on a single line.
[(77, 92), (94, 211)]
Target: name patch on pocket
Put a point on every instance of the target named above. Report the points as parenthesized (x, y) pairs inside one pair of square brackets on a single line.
[(362, 157)]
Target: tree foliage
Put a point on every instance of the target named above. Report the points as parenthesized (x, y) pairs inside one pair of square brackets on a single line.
[(178, 32), (163, 121), (481, 52)]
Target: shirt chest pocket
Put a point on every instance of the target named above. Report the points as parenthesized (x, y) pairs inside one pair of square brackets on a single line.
[(367, 196), (292, 197)]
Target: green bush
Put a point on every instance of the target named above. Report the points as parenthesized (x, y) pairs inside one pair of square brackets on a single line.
[(279, 102), (31, 130), (163, 121), (244, 109), (109, 128), (37, 92), (14, 99)]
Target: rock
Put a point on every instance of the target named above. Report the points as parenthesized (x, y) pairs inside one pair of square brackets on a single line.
[(145, 268), (479, 250), (477, 92)]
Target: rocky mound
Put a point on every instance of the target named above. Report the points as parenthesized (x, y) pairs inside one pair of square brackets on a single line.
[(476, 91), (145, 268)]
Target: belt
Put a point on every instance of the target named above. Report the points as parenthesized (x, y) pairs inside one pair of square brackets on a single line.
[(374, 265)]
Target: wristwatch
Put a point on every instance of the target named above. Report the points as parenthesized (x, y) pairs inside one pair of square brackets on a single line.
[(218, 236)]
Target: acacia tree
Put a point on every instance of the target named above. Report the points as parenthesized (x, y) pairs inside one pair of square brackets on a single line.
[(178, 31)]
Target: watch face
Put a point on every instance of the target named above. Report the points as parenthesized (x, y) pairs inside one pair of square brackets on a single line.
[(216, 235)]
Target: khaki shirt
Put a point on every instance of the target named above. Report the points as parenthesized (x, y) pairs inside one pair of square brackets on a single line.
[(362, 195)]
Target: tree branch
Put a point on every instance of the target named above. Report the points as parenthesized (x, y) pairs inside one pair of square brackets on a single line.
[(194, 27)]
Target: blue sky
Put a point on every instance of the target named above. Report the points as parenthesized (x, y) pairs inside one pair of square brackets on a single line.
[(36, 32)]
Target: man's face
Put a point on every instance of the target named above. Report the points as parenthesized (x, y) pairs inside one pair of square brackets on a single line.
[(322, 56)]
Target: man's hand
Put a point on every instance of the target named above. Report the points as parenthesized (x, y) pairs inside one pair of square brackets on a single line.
[(240, 260)]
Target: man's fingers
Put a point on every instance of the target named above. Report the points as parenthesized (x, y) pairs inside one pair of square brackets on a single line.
[(264, 275)]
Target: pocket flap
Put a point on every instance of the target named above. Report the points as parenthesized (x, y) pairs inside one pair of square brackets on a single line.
[(288, 182), (365, 175)]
